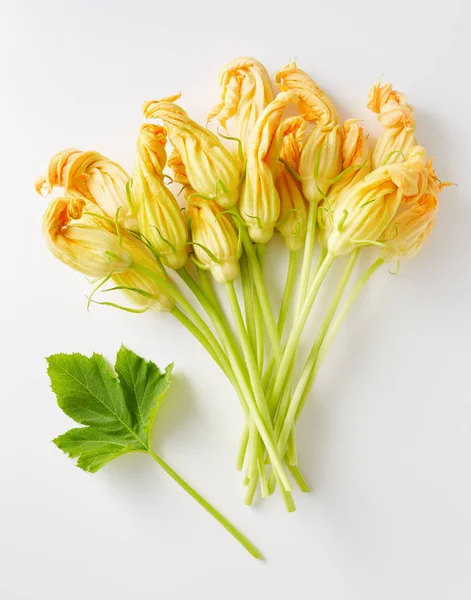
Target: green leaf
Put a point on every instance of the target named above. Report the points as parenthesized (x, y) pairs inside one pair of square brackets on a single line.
[(93, 447), (118, 410), (144, 386)]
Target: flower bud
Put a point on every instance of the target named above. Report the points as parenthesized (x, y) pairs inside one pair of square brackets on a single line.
[(356, 164), (321, 159), (408, 230), (216, 243), (292, 222), (211, 169), (88, 245), (153, 296), (150, 145), (397, 120), (259, 201), (92, 176), (363, 213), (246, 91), (160, 219), (79, 242)]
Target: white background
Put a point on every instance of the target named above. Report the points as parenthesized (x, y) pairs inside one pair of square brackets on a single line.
[(387, 446)]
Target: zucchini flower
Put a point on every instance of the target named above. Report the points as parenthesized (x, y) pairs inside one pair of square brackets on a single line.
[(215, 239), (246, 90), (259, 201), (211, 169), (160, 219), (409, 229), (397, 120), (87, 244), (293, 214), (92, 176), (321, 158), (362, 214), (175, 163), (356, 164)]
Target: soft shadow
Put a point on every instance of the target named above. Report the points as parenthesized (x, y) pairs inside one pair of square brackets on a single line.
[(136, 471)]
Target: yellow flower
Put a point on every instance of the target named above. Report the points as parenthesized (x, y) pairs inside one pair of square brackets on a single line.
[(246, 91), (159, 216), (314, 104), (356, 164), (92, 176), (293, 214), (175, 162), (365, 210), (211, 169), (397, 119), (259, 201), (216, 243), (408, 230), (150, 145), (88, 245), (321, 158)]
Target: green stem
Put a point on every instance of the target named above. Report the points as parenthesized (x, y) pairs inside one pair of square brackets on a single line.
[(248, 300), (335, 328), (308, 252), (244, 440), (248, 352), (208, 507), (264, 426), (299, 479), (265, 430), (295, 335), (260, 251), (188, 308), (288, 293), (284, 311), (285, 424), (262, 294), (208, 290), (191, 327)]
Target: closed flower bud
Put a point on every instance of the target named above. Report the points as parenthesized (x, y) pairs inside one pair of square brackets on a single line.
[(407, 232), (356, 164), (150, 145), (216, 243), (246, 91), (363, 213), (259, 201), (321, 158), (211, 169), (92, 176), (159, 216), (88, 245), (397, 120), (293, 214)]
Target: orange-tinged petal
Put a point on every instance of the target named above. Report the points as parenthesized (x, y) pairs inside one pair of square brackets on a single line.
[(92, 176), (211, 169), (216, 240), (259, 201), (159, 216), (246, 90), (292, 221), (397, 119), (313, 102), (408, 230)]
